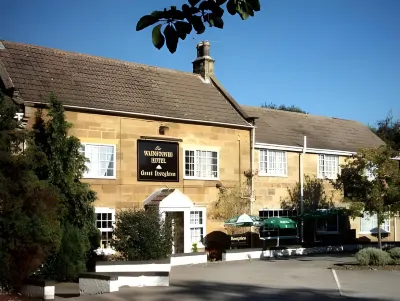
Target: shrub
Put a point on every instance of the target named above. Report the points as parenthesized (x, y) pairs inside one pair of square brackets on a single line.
[(395, 254), (373, 256), (70, 261), (142, 234)]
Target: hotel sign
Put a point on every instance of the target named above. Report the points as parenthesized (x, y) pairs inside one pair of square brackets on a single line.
[(158, 161)]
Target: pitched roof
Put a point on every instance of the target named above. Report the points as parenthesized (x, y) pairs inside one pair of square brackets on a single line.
[(288, 128), (105, 84)]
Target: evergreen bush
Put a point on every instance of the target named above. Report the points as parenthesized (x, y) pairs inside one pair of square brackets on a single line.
[(29, 224), (63, 167), (142, 234), (395, 254), (373, 256)]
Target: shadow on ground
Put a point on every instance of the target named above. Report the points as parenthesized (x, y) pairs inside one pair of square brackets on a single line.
[(227, 292)]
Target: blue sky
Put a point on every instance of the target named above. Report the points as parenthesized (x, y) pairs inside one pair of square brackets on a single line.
[(334, 57)]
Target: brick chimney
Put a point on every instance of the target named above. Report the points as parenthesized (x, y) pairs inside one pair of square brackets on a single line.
[(204, 63)]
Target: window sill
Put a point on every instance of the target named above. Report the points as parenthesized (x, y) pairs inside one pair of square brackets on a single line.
[(99, 178), (326, 178), (382, 232), (201, 179), (271, 176)]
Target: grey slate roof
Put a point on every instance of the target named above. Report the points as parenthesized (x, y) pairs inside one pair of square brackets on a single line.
[(100, 83), (289, 128)]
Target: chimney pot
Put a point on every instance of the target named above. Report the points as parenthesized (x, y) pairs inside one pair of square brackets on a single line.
[(204, 63)]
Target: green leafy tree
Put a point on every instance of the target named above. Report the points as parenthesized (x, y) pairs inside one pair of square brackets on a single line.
[(314, 196), (388, 130), (370, 181), (29, 225), (64, 168), (142, 234), (291, 108), (175, 24)]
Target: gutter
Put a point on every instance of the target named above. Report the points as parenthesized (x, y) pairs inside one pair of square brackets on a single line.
[(150, 116), (252, 144), (302, 185)]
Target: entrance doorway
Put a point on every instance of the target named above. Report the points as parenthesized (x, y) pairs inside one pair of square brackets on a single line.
[(189, 220), (178, 231)]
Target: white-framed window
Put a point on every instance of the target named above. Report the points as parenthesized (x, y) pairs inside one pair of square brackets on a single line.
[(197, 225), (273, 163), (101, 160), (328, 166), (267, 213), (201, 164), (370, 173), (105, 219), (369, 224)]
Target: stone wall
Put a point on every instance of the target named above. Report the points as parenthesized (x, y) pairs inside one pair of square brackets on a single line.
[(270, 191), (125, 191)]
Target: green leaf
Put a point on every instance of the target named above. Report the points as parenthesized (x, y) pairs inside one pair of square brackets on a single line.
[(157, 37), (171, 37), (242, 9), (198, 24), (193, 2), (183, 29), (231, 7), (255, 4), (146, 21), (218, 22), (157, 14)]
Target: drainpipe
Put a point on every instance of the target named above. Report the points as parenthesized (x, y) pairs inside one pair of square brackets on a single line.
[(302, 186), (395, 228), (253, 136)]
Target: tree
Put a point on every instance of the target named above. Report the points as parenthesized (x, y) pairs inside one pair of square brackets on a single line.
[(233, 201), (64, 167), (142, 234), (178, 23), (314, 196), (388, 130), (291, 108), (29, 226), (370, 181)]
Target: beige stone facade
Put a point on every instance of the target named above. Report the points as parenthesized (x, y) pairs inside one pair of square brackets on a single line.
[(271, 190), (125, 191)]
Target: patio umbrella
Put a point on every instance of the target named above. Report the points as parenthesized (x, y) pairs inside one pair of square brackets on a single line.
[(280, 223), (243, 220)]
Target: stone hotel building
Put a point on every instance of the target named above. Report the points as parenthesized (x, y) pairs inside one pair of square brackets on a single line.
[(163, 137)]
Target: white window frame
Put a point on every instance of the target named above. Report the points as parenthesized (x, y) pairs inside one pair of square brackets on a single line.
[(370, 173), (261, 160), (106, 210), (194, 149), (87, 175), (323, 176), (196, 224), (385, 227)]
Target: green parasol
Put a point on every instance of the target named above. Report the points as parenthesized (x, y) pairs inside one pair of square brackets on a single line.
[(280, 223)]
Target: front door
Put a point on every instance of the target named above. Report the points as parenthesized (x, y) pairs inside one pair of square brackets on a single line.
[(178, 232)]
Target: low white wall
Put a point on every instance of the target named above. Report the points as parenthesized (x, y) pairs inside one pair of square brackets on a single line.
[(91, 286), (189, 259), (133, 266), (44, 291), (245, 254), (307, 251), (143, 281), (232, 255)]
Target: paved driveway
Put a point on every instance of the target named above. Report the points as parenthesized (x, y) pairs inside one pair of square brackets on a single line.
[(301, 279)]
